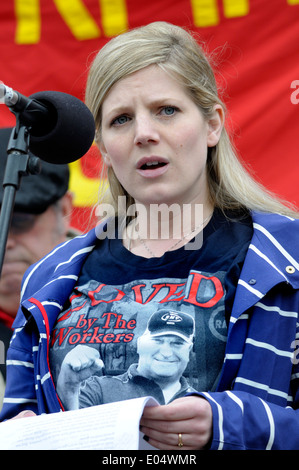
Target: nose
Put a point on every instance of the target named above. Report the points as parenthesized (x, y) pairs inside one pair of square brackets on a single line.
[(146, 131), (11, 242), (166, 350)]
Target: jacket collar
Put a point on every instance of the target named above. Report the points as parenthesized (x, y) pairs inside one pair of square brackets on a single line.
[(60, 269), (272, 258)]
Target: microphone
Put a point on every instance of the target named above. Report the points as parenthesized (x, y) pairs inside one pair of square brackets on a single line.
[(61, 127)]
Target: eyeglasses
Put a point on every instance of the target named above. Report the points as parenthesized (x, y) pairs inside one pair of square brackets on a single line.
[(22, 222)]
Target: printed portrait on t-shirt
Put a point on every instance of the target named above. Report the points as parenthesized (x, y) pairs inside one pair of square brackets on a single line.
[(161, 337)]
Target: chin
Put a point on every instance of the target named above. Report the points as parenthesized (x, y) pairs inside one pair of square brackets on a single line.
[(164, 374), (11, 285), (156, 198)]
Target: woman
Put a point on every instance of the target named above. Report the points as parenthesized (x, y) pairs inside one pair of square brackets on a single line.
[(194, 235)]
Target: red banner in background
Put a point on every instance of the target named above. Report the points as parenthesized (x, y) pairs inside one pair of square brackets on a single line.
[(48, 45)]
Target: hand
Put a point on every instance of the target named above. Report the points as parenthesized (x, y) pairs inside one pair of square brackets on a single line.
[(24, 414), (78, 365), (190, 416)]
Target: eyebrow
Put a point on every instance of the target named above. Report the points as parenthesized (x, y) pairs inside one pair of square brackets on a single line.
[(113, 113), (122, 109)]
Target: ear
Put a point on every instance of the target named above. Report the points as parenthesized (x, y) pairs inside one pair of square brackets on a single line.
[(66, 203), (104, 153), (66, 207), (215, 126)]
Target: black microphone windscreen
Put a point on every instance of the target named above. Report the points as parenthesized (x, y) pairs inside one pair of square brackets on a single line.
[(68, 131)]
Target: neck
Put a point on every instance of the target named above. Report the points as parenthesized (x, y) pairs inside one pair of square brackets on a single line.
[(160, 228), (170, 221)]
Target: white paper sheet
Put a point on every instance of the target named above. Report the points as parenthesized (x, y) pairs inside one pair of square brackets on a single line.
[(113, 426)]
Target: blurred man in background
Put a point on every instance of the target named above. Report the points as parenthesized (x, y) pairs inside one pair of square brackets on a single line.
[(40, 221)]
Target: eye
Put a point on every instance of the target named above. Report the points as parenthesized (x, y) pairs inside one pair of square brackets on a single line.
[(158, 340), (177, 343), (120, 120), (169, 110)]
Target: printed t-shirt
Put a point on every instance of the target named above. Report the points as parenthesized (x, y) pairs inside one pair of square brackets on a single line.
[(159, 324)]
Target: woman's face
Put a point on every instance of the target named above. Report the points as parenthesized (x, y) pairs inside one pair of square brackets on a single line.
[(156, 139)]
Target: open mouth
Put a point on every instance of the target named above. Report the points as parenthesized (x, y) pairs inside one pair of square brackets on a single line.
[(152, 165)]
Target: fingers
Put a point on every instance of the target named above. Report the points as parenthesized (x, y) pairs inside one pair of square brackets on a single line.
[(189, 416), (83, 357), (170, 441), (167, 433), (24, 414), (180, 409), (78, 365)]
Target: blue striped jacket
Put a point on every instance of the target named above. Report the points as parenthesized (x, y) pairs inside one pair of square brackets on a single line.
[(255, 405)]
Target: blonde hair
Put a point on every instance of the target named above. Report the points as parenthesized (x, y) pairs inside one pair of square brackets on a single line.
[(177, 52)]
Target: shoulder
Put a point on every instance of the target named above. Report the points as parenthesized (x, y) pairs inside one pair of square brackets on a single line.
[(275, 242), (67, 256), (283, 228), (273, 219)]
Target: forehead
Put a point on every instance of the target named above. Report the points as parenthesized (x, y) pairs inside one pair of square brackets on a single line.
[(167, 338), (150, 82)]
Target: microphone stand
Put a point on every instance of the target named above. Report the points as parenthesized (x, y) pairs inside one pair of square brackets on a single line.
[(19, 163)]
